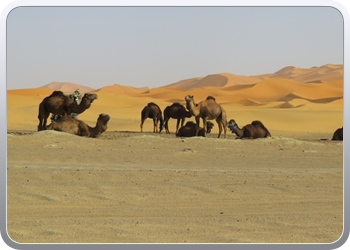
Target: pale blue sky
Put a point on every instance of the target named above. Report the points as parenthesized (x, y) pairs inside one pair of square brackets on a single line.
[(157, 46)]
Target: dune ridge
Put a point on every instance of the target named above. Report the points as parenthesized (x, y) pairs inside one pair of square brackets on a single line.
[(290, 88)]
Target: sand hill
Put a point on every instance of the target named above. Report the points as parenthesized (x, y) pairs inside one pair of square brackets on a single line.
[(291, 99), (67, 87)]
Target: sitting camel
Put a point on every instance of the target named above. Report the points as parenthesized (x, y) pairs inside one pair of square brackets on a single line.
[(189, 130), (207, 110), (74, 126), (176, 111), (338, 134), (250, 131), (152, 111), (60, 104)]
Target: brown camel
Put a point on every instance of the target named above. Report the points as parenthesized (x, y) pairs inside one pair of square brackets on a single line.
[(152, 111), (74, 126), (207, 110), (176, 111), (59, 104), (189, 130), (250, 131), (338, 134)]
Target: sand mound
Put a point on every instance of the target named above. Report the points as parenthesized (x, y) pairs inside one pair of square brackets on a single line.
[(324, 73), (120, 89), (67, 87), (285, 105)]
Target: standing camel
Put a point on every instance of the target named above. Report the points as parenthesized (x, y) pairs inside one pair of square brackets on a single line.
[(250, 131), (59, 104), (176, 111), (152, 111), (207, 110)]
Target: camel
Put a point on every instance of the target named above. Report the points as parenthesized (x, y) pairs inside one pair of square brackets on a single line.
[(189, 130), (152, 111), (250, 131), (60, 104), (176, 111), (338, 134), (74, 126), (207, 110)]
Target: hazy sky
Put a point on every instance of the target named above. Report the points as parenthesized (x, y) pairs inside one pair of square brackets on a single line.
[(157, 46)]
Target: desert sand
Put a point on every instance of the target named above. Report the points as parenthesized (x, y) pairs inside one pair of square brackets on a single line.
[(130, 187)]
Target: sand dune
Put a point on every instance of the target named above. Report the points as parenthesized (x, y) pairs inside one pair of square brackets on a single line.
[(324, 73), (67, 87), (234, 93), (120, 89)]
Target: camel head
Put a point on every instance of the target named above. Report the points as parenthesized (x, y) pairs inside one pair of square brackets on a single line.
[(189, 99), (90, 97), (210, 125), (232, 125), (103, 119)]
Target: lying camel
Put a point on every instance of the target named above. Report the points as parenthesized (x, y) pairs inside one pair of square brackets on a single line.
[(250, 131), (175, 111), (207, 110), (152, 111), (60, 104), (77, 127), (338, 134), (189, 130)]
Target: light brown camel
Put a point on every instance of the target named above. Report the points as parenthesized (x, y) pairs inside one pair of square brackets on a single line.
[(77, 127), (59, 104), (250, 131), (189, 130), (152, 111), (338, 134), (207, 110), (175, 111)]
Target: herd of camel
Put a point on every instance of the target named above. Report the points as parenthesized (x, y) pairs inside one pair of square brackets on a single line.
[(63, 105)]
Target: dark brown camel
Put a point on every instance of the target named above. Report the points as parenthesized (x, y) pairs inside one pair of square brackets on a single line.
[(338, 134), (77, 127), (207, 110), (189, 130), (59, 104), (250, 131), (175, 111), (152, 111)]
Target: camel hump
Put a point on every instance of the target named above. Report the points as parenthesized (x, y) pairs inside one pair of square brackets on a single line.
[(258, 123), (176, 104), (150, 104), (190, 124), (261, 125), (211, 98), (57, 93)]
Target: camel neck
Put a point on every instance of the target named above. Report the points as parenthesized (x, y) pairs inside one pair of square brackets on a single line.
[(193, 108)]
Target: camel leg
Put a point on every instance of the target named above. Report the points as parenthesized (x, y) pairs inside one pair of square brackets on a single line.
[(225, 127), (177, 125), (166, 126), (220, 128), (141, 125), (205, 126), (155, 123), (45, 121), (197, 125)]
